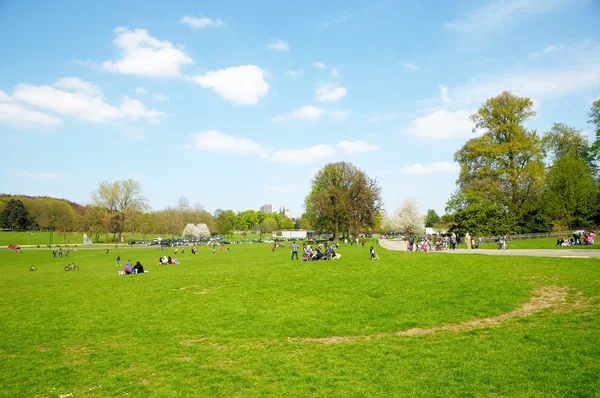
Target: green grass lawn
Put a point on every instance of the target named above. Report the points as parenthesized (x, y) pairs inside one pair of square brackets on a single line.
[(539, 243), (240, 322)]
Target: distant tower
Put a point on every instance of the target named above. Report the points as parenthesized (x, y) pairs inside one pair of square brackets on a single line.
[(267, 209)]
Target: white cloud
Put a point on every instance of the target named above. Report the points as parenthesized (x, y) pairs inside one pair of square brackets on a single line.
[(5, 97), (76, 84), (500, 14), (356, 147), (444, 94), (330, 92), (320, 65), (146, 55), (15, 114), (141, 90), (199, 23), (310, 113), (430, 168), (378, 117), (83, 106), (217, 142), (551, 48), (160, 97), (302, 155), (410, 66), (243, 85), (37, 176), (441, 125), (294, 73), (279, 45), (335, 72)]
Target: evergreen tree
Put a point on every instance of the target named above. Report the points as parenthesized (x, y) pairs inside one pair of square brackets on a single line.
[(15, 216)]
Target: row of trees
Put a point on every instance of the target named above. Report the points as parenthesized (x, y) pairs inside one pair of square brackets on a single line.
[(513, 180), (119, 207)]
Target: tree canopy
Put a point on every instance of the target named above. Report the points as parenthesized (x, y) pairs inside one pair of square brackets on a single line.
[(343, 199), (15, 216)]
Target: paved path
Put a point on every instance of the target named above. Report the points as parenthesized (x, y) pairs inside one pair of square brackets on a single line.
[(563, 253)]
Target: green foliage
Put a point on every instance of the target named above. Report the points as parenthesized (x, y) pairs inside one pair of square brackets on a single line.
[(562, 140), (571, 192), (431, 218), (481, 217), (342, 199), (15, 216), (505, 165), (594, 114), (287, 224)]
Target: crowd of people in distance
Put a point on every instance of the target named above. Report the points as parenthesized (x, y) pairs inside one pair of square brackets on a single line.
[(60, 252), (321, 252), (580, 237), (441, 242)]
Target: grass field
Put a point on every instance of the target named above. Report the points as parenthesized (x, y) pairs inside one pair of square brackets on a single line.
[(251, 322), (540, 243)]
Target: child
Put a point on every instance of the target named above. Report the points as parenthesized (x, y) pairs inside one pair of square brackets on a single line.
[(118, 260), (374, 255)]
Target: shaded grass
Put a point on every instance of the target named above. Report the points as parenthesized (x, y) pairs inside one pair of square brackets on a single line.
[(218, 325)]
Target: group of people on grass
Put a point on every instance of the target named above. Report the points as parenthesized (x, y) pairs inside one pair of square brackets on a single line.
[(131, 269), (167, 260), (321, 252), (442, 242), (580, 237)]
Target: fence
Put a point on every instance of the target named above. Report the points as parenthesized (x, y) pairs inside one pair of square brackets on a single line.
[(530, 236)]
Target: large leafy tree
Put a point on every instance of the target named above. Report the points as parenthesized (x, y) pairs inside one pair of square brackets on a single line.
[(571, 192), (505, 164), (15, 216), (119, 198), (343, 199), (562, 140)]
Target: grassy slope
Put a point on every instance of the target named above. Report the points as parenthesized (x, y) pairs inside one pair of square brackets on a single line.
[(92, 332)]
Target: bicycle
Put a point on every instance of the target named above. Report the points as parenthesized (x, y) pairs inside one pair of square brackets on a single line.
[(72, 267)]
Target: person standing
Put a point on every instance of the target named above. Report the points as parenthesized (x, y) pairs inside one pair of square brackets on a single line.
[(118, 260), (363, 242), (411, 242), (576, 237), (294, 247), (346, 241), (468, 241), (356, 240), (453, 241), (214, 247)]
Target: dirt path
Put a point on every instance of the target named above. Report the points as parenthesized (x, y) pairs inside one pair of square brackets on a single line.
[(545, 297), (564, 253)]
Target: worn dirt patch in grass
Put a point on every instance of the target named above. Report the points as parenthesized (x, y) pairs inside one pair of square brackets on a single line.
[(545, 298)]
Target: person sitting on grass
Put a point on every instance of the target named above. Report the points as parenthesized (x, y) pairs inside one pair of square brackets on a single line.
[(32, 268), (128, 268), (138, 268), (559, 241)]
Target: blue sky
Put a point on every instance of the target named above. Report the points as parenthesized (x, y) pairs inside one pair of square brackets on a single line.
[(235, 104)]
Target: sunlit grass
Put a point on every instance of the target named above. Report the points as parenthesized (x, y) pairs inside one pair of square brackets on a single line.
[(234, 323)]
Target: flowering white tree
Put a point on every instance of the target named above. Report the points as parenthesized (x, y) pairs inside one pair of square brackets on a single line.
[(408, 219), (191, 230), (196, 231), (203, 231)]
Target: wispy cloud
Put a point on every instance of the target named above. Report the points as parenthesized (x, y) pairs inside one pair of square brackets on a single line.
[(294, 73), (412, 67), (319, 65), (141, 90), (330, 92), (441, 125), (337, 20), (217, 142), (356, 147), (335, 72), (500, 14), (310, 113), (551, 48), (160, 97), (17, 115), (378, 117), (5, 97), (37, 176), (279, 45), (302, 155), (199, 23)]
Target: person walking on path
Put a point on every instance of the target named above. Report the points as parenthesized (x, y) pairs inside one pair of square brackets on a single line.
[(294, 247), (468, 241)]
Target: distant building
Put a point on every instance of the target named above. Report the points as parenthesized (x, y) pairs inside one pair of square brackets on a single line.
[(268, 209), (287, 213)]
